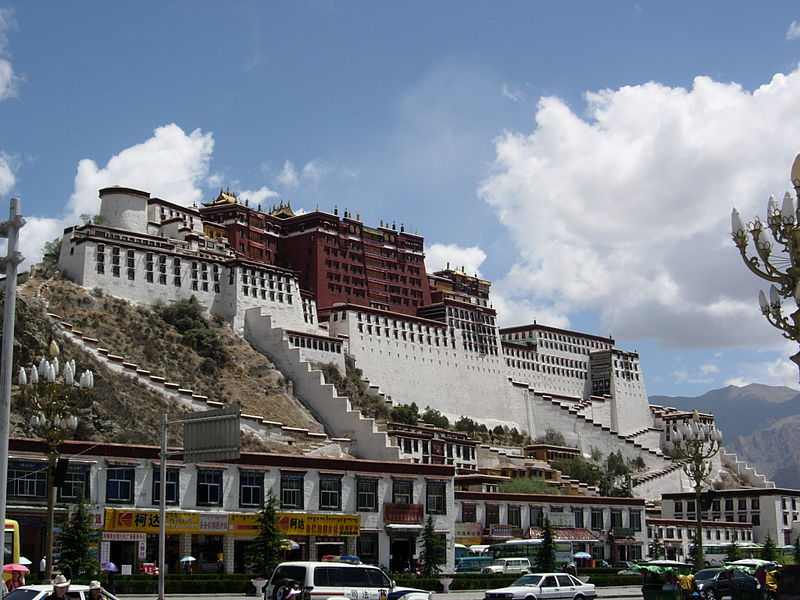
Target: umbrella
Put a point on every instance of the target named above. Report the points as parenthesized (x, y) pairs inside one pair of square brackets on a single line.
[(289, 545), (581, 555), (24, 561), (15, 568), (109, 566), (188, 559)]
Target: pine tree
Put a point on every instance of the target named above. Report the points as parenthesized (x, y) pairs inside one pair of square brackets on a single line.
[(768, 551), (434, 548), (546, 551), (263, 553), (656, 547), (732, 553), (77, 539)]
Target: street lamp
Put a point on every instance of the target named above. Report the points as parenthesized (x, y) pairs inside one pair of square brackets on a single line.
[(54, 400), (694, 444), (781, 269)]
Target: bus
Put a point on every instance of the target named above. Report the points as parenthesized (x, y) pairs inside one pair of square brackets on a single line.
[(528, 549), (10, 545), (717, 555)]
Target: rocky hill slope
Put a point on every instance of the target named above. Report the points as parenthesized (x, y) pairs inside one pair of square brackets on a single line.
[(124, 411), (760, 423)]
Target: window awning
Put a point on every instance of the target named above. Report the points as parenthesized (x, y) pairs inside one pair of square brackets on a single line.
[(404, 527)]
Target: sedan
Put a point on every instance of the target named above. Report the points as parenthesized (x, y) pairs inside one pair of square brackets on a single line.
[(541, 586), (38, 592), (715, 583)]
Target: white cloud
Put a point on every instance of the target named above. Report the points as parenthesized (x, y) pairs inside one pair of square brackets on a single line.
[(170, 165), (288, 175), (468, 260), (8, 167), (514, 94), (794, 31), (627, 210), (9, 81), (256, 197), (708, 369)]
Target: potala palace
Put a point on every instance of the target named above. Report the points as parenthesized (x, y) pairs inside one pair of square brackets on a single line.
[(308, 288)]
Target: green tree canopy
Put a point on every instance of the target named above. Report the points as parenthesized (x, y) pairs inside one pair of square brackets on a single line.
[(527, 485), (434, 547), (77, 539), (546, 551), (732, 552), (435, 418), (769, 552), (405, 413), (551, 437), (264, 553)]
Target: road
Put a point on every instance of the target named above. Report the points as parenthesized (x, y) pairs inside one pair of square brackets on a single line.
[(610, 593)]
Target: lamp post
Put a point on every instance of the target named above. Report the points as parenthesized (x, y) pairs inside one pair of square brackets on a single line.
[(694, 444), (782, 269), (54, 399)]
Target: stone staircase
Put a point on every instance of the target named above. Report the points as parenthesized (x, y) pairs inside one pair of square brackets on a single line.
[(341, 420)]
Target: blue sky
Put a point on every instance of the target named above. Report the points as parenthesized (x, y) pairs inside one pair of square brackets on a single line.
[(584, 156)]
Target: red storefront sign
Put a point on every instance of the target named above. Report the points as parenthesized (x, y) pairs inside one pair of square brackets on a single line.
[(402, 513)]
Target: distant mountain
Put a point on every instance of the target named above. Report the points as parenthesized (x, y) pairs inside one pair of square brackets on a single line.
[(761, 423)]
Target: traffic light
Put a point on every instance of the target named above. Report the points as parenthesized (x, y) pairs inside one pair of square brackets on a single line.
[(61, 471)]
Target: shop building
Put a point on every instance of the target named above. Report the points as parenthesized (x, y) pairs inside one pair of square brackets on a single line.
[(606, 528), (373, 509)]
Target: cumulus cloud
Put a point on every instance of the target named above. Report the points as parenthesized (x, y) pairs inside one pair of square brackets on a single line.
[(8, 79), (794, 31), (256, 197), (439, 256), (625, 208), (708, 369), (171, 165), (8, 167)]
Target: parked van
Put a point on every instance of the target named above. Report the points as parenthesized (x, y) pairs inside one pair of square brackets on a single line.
[(472, 564), (325, 580), (508, 565)]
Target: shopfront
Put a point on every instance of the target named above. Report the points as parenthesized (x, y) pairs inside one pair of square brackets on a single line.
[(403, 524)]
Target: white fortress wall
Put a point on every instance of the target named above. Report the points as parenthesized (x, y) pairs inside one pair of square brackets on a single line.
[(271, 289), (124, 208), (444, 377)]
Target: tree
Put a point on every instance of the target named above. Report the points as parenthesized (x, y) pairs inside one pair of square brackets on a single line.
[(527, 485), (546, 551), (732, 552), (656, 549), (551, 437), (407, 414), (434, 547), (77, 539), (768, 552), (435, 418), (187, 317), (263, 553), (692, 548), (50, 254)]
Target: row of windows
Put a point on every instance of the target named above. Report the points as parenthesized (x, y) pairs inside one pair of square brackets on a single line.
[(537, 515), (120, 483), (677, 533)]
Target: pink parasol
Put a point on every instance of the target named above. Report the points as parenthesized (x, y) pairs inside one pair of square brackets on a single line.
[(15, 568)]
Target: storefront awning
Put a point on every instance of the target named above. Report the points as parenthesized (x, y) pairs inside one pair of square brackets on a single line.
[(404, 527), (565, 534)]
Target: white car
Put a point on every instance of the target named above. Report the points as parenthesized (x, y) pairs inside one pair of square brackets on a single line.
[(37, 592), (508, 565), (541, 586)]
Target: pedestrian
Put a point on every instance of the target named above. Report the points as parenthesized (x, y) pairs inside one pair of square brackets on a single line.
[(771, 582), (60, 588), (686, 585), (96, 591), (110, 586), (17, 580), (572, 569), (43, 564)]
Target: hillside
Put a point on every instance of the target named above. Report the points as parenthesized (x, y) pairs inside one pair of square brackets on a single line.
[(125, 412), (760, 423)]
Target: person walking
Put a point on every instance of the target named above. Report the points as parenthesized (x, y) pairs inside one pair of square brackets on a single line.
[(17, 580), (686, 585), (60, 588), (96, 591)]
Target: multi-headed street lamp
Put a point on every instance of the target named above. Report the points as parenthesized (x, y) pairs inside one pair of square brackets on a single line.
[(781, 268), (54, 399), (695, 443)]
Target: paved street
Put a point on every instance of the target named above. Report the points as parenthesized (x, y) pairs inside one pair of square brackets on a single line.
[(610, 593)]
